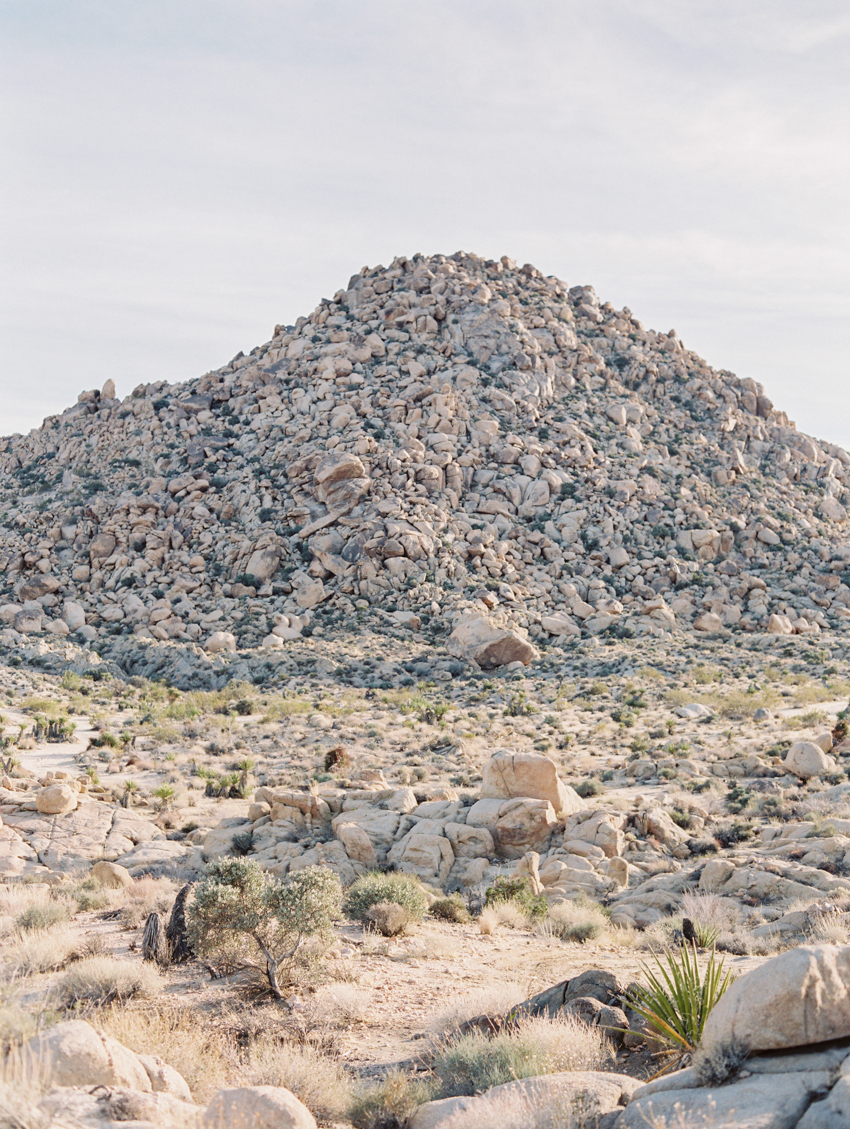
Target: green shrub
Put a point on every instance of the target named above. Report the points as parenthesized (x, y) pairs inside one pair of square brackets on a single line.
[(377, 887), (390, 1103), (451, 908), (517, 890), (679, 1000), (42, 915), (586, 788), (242, 911)]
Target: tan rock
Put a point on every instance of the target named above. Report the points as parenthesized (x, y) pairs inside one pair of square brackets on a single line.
[(257, 1107), (807, 760), (57, 799), (793, 1000), (546, 1101), (111, 874), (74, 1054), (220, 641), (508, 775), (709, 622), (478, 639), (37, 586), (517, 826), (263, 564)]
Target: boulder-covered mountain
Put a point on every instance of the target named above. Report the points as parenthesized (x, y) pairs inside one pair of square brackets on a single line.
[(455, 445)]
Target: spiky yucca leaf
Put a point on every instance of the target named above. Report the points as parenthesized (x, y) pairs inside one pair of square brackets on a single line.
[(678, 1000)]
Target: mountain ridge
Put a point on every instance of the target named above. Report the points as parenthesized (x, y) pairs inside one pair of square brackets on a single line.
[(447, 437)]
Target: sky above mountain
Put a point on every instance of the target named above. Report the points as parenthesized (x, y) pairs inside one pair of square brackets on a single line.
[(181, 176)]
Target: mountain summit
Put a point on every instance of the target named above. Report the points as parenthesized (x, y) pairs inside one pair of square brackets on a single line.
[(450, 444)]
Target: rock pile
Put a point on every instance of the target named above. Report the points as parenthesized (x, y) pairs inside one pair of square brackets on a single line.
[(74, 1077), (466, 447)]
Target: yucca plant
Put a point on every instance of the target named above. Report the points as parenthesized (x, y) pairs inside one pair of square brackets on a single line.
[(678, 1001)]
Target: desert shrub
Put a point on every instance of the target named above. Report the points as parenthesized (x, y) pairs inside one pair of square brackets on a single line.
[(90, 895), (517, 889), (737, 832), (451, 908), (575, 921), (147, 895), (16, 1026), (475, 1062), (40, 951), (201, 1052), (714, 1065), (42, 915), (241, 910), (388, 918), (370, 889), (679, 999), (316, 1079), (390, 1103), (587, 788), (104, 980)]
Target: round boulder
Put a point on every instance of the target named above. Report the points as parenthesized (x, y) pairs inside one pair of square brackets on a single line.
[(57, 799), (257, 1107), (798, 998), (111, 874), (806, 760)]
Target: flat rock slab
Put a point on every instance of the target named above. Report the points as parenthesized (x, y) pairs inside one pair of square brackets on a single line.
[(773, 1101)]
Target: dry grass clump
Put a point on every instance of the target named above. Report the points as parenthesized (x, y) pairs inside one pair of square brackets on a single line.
[(519, 1109), (342, 1005), (147, 895), (42, 915), (390, 1102), (502, 913), (40, 951), (575, 921), (202, 1053), (102, 980), (16, 1026), (493, 1000), (531, 1046), (316, 1079)]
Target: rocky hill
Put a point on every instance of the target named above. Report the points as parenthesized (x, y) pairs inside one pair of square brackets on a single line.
[(452, 444)]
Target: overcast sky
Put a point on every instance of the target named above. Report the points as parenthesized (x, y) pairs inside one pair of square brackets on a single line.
[(180, 175)]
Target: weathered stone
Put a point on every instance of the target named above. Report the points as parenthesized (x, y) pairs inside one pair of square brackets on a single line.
[(112, 875), (72, 1053), (509, 774), (806, 760), (479, 640), (793, 1000), (257, 1107), (57, 799)]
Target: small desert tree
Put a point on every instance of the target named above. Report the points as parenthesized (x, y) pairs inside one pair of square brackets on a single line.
[(241, 909)]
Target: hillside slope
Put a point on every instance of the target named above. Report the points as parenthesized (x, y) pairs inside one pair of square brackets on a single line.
[(447, 435)]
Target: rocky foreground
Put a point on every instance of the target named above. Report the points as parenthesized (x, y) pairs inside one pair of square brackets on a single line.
[(466, 576)]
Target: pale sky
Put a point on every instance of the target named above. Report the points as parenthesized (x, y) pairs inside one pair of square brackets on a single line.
[(178, 176)]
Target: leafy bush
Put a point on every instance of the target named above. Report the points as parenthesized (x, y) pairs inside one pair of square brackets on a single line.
[(679, 1000), (241, 910), (518, 891), (41, 915), (587, 788), (451, 908), (376, 887)]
